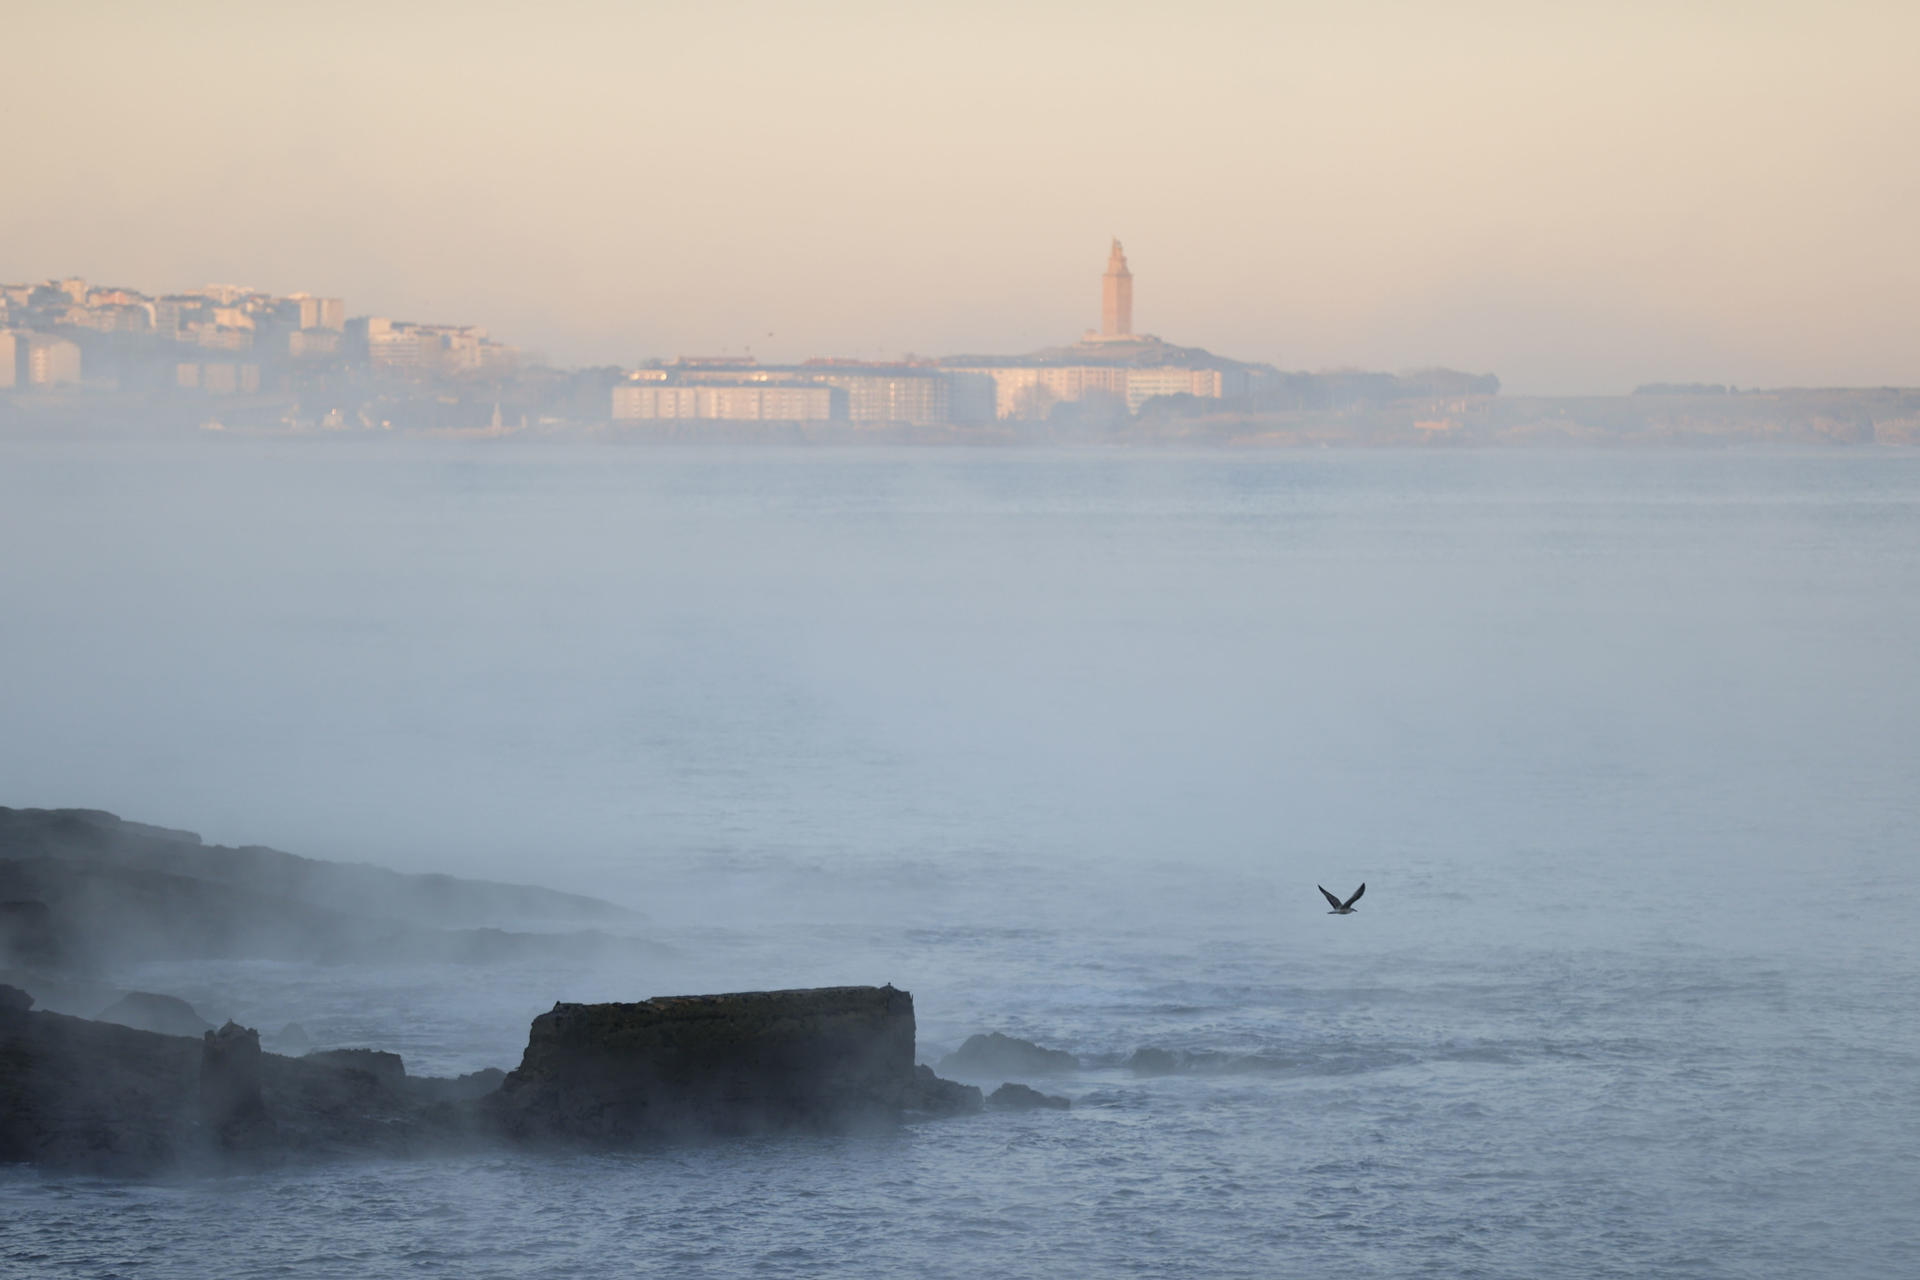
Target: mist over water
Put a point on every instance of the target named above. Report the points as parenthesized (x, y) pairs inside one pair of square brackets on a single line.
[(1623, 746)]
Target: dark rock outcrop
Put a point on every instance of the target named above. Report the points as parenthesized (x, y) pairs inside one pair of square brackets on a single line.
[(1018, 1097), (929, 1095), (149, 1011), (830, 1059), (231, 1105), (996, 1056), (97, 1097), (94, 1097)]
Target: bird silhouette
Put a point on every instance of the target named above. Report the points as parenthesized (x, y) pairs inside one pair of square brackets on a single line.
[(1342, 908)]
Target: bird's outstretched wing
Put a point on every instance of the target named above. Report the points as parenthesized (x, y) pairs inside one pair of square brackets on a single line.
[(1355, 898), (1330, 898)]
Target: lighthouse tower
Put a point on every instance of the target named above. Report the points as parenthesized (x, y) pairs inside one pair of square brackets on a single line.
[(1116, 296)]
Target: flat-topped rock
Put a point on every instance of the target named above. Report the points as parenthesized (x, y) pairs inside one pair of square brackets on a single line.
[(98, 1097), (824, 1059)]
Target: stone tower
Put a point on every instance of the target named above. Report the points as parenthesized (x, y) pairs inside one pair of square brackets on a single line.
[(1116, 296)]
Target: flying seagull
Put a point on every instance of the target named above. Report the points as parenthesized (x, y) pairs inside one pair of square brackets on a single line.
[(1342, 908)]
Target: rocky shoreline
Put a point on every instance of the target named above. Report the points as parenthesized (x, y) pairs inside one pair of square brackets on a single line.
[(79, 1095), (98, 1079)]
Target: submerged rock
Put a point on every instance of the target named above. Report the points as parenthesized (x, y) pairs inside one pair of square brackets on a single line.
[(1018, 1097), (1153, 1062), (147, 1011), (998, 1056)]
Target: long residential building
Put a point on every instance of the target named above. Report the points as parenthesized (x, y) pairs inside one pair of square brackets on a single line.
[(966, 393), (919, 395), (1173, 380), (733, 402), (817, 391)]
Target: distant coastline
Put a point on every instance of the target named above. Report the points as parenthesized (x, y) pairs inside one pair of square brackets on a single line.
[(80, 358), (1794, 417)]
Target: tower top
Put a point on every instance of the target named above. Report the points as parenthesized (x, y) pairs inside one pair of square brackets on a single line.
[(1116, 296)]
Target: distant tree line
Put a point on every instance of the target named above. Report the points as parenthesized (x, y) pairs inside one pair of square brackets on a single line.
[(1347, 389), (1681, 389)]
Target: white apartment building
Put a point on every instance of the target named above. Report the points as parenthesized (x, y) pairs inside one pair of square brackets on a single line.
[(918, 396), (1172, 380), (400, 346), (746, 402)]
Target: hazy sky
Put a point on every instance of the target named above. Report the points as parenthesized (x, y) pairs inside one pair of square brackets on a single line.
[(1575, 196)]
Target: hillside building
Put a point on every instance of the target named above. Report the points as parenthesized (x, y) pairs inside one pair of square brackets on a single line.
[(816, 391), (400, 346), (1174, 380), (914, 394), (319, 313)]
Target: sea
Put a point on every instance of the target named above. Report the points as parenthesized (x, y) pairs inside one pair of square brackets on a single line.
[(1625, 747)]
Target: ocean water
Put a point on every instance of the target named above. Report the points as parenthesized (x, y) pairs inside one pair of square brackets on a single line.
[(1624, 747)]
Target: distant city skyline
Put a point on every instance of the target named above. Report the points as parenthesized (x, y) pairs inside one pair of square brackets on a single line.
[(1578, 198), (65, 335), (228, 357)]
